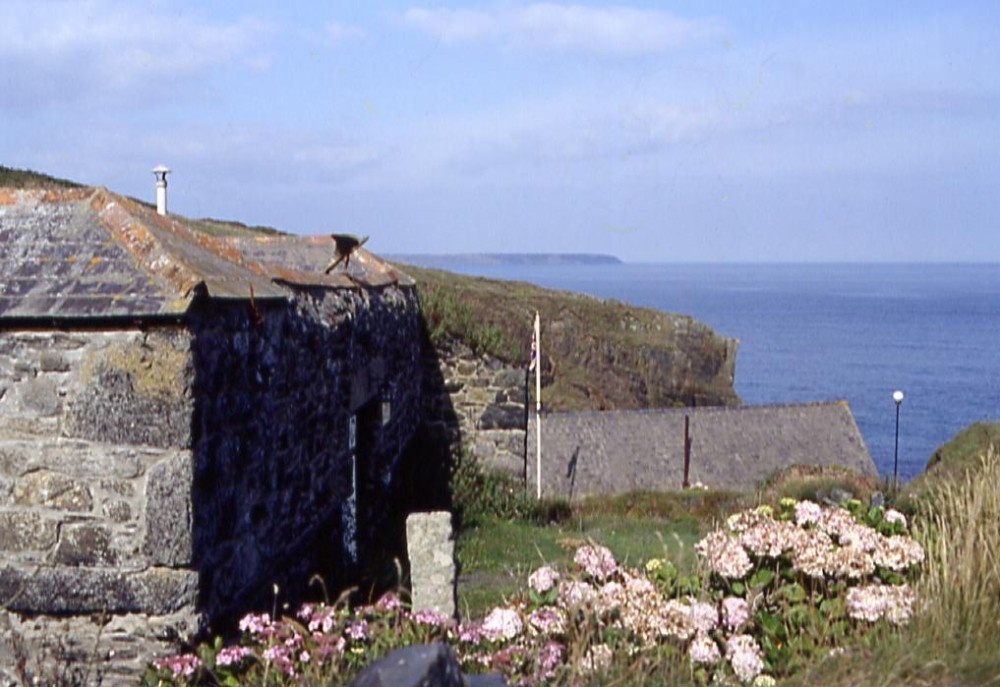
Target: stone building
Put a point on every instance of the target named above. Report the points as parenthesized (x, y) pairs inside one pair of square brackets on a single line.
[(191, 426)]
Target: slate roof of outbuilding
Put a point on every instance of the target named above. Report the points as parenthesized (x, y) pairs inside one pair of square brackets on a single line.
[(89, 253), (612, 452)]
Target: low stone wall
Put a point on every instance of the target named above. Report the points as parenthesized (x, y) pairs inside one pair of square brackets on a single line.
[(485, 399)]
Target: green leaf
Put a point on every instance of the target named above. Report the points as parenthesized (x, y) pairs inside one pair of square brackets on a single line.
[(738, 588), (832, 608), (875, 515), (761, 578), (890, 576), (770, 623), (794, 593), (798, 614)]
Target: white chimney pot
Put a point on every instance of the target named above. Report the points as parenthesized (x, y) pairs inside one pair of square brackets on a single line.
[(161, 171)]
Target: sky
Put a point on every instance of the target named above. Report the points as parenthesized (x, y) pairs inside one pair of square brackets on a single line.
[(654, 131)]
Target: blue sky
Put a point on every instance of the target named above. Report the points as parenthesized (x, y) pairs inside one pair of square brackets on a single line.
[(687, 131)]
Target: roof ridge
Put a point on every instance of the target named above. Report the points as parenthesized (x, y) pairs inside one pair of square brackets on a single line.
[(145, 247), (703, 409)]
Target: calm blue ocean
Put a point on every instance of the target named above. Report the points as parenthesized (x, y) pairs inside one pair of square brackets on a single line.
[(829, 332)]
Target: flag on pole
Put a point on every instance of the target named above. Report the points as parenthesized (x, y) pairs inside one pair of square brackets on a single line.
[(534, 349)]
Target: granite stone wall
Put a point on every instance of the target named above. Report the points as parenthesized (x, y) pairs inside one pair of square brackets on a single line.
[(90, 585), (158, 481), (480, 404)]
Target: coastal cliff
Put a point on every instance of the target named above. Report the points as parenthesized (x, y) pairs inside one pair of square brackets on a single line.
[(596, 354)]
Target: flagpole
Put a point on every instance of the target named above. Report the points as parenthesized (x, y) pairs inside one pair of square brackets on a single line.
[(538, 404)]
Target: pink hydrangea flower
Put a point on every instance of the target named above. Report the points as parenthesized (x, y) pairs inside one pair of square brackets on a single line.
[(874, 602), (388, 602), (426, 616), (807, 513), (322, 619), (704, 651), (704, 617), (470, 634), (893, 516), (735, 612), (231, 655), (744, 656), (502, 623), (548, 620), (357, 629), (182, 665), (550, 657), (597, 561), (255, 624), (543, 579), (724, 555), (576, 593)]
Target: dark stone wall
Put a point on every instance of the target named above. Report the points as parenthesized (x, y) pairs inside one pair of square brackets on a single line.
[(280, 491)]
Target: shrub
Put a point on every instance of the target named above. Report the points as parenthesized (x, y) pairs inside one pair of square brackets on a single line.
[(478, 494), (446, 315), (777, 590)]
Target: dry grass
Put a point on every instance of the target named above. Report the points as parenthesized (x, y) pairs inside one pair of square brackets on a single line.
[(959, 526)]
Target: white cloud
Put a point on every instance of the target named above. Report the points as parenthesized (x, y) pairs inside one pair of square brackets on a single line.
[(60, 51), (604, 30)]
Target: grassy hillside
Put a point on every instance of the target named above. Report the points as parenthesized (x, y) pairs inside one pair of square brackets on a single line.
[(954, 459), (27, 179), (596, 354)]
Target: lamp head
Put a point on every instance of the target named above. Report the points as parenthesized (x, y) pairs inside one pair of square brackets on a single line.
[(897, 397)]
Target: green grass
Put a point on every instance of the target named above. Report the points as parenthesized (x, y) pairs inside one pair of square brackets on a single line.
[(496, 556)]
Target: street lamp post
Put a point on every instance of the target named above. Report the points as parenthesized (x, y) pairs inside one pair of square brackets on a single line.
[(897, 397)]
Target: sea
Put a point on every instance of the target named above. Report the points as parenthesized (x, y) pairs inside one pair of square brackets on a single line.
[(822, 332)]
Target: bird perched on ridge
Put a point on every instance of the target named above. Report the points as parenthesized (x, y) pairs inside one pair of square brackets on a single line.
[(345, 244)]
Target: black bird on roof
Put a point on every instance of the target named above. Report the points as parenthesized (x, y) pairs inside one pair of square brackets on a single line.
[(346, 244)]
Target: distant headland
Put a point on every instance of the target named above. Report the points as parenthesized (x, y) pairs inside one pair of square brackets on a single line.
[(451, 259)]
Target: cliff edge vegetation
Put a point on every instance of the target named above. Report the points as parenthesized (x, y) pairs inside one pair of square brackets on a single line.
[(596, 354)]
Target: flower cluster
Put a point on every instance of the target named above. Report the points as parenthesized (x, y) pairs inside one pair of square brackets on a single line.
[(819, 542), (745, 657), (875, 602), (573, 624), (724, 554), (597, 561), (182, 665), (543, 580)]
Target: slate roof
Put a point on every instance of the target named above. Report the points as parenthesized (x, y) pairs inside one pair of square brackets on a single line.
[(90, 253), (612, 452)]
